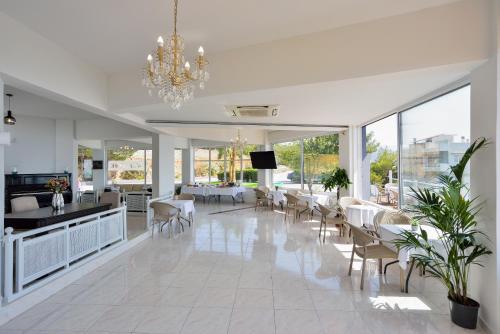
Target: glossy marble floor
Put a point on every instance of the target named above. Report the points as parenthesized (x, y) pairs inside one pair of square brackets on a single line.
[(239, 272)]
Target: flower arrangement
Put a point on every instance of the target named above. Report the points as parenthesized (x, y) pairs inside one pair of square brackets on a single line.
[(57, 185)]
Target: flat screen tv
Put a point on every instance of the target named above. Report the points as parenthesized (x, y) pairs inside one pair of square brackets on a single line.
[(263, 160), (97, 164)]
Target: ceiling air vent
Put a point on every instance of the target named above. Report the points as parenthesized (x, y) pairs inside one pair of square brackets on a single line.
[(253, 111)]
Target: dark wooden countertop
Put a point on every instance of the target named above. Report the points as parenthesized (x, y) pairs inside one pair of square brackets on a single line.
[(47, 216)]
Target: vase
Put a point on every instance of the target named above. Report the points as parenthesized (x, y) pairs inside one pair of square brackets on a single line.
[(57, 201), (462, 315)]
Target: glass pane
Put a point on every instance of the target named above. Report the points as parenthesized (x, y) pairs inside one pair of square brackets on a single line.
[(380, 161), (217, 165), (321, 155), (178, 166), (434, 136), (149, 167), (288, 162), (126, 166), (201, 172)]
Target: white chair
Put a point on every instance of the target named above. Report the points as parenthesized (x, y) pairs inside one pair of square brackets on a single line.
[(25, 203)]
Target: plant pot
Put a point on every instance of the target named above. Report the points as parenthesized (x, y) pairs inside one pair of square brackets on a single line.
[(462, 315)]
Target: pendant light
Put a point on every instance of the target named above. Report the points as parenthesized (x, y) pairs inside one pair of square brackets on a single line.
[(9, 119)]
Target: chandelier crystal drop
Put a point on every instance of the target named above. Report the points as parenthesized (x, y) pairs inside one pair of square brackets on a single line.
[(167, 71)]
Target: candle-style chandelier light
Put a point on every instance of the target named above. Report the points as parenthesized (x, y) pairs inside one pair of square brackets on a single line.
[(168, 71)]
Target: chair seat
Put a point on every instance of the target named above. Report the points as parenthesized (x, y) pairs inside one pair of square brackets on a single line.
[(376, 251)]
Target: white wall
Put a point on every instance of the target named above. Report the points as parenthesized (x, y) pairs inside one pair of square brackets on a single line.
[(33, 146), (484, 183), (163, 164)]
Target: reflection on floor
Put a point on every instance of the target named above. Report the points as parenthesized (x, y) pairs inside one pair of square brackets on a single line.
[(239, 272), (136, 224)]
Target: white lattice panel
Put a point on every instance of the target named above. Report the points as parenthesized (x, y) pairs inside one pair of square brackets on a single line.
[(43, 255), (111, 229), (83, 239)]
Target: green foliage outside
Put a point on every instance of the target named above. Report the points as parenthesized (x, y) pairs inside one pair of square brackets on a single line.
[(249, 175), (379, 170), (387, 160), (132, 175), (121, 154)]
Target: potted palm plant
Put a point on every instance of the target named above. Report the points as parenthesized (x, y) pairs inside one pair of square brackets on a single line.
[(337, 179), (449, 209)]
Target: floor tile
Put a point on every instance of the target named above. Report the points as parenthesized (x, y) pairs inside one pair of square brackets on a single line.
[(252, 321)]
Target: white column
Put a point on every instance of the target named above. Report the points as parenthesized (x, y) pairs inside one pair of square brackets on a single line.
[(484, 178), (188, 164), (99, 175), (163, 165), (66, 151), (350, 159)]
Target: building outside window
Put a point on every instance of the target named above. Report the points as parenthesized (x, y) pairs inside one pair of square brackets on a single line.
[(434, 136)]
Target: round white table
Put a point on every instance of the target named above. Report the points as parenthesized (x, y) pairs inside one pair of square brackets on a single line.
[(361, 214)]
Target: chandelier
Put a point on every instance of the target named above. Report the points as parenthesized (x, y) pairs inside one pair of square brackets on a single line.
[(169, 73), (238, 142)]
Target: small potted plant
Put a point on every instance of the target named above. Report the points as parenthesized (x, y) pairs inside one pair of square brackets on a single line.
[(414, 225), (452, 213), (337, 179)]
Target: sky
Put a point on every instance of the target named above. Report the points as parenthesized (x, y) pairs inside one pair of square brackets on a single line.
[(448, 114)]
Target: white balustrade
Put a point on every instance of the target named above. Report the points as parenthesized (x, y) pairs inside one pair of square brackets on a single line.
[(38, 256)]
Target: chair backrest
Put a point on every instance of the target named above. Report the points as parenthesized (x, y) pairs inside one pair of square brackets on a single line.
[(186, 197), (260, 194), (111, 197), (264, 189), (360, 237), (25, 203), (163, 210), (388, 217), (293, 192), (323, 209), (291, 199), (345, 201)]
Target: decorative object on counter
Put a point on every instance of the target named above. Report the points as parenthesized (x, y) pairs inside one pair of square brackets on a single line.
[(9, 119), (337, 179), (449, 210), (14, 170), (57, 186)]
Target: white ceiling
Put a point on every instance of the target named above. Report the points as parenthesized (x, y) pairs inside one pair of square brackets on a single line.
[(338, 103), (28, 104), (117, 34)]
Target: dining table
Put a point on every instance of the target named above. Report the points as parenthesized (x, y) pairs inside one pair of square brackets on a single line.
[(312, 199), (362, 214), (278, 197), (185, 206), (391, 232)]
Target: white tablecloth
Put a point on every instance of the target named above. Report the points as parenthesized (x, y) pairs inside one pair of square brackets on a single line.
[(311, 200), (278, 196), (392, 232), (361, 214), (185, 205), (202, 191), (226, 191)]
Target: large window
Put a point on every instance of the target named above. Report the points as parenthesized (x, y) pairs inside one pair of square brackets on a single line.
[(201, 165), (380, 161), (302, 163), (127, 165), (434, 136), (321, 155), (289, 163)]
